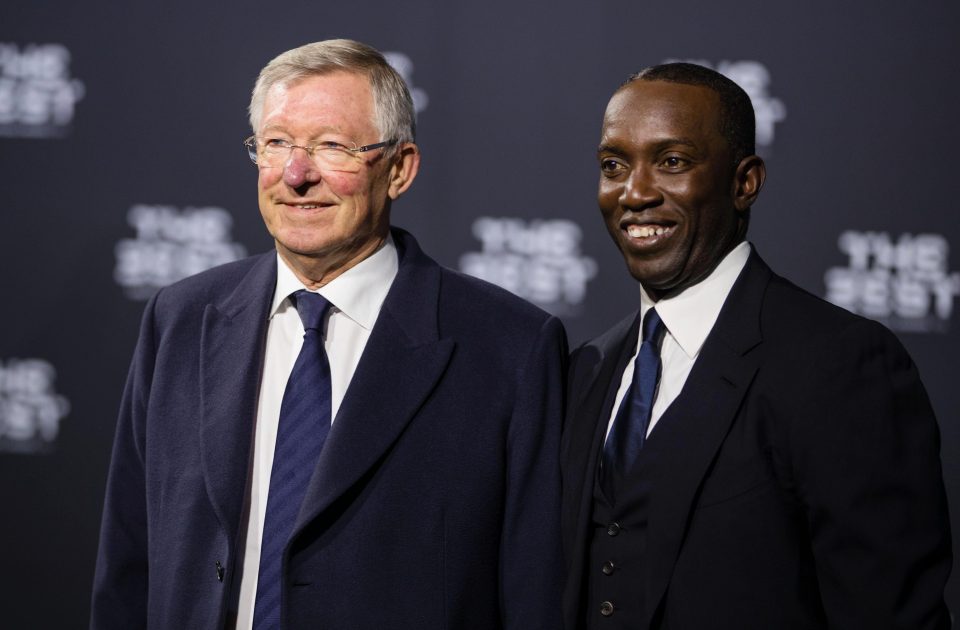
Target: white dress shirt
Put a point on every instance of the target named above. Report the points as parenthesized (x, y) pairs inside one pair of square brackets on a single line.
[(689, 317), (356, 297)]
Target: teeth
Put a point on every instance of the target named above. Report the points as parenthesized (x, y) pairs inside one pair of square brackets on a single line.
[(644, 231), (306, 206)]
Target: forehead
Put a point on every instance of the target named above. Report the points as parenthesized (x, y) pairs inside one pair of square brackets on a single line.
[(339, 100), (652, 111)]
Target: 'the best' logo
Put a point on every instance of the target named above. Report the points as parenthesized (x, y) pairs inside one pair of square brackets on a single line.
[(903, 282), (539, 260), (172, 244), (30, 408), (37, 94)]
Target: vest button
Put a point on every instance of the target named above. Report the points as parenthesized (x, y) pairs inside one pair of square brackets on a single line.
[(606, 609), (608, 567), (613, 529)]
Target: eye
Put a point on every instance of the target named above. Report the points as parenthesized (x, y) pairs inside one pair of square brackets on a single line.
[(674, 162), (332, 145), (276, 143), (610, 166)]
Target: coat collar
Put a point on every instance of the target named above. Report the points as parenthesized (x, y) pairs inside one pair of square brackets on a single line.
[(595, 368), (231, 360), (401, 364), (404, 350), (696, 425)]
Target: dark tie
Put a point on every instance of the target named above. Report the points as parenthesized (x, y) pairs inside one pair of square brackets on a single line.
[(629, 430), (304, 424)]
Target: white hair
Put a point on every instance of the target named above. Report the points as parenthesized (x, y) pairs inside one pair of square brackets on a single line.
[(394, 115)]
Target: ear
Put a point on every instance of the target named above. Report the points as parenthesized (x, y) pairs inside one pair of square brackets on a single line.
[(748, 180), (406, 165)]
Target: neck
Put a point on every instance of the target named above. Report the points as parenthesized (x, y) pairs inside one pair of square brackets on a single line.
[(316, 271)]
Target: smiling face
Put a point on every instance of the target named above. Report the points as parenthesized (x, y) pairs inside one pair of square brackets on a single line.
[(325, 221), (670, 193)]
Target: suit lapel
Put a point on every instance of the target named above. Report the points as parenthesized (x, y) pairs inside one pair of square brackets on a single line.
[(231, 358), (696, 423), (605, 360), (402, 363)]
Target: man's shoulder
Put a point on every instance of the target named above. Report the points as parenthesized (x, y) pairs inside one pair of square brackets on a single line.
[(462, 292), (218, 284), (797, 325), (787, 305), (461, 296)]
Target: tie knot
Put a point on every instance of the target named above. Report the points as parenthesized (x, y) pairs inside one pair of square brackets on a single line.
[(652, 326), (311, 307)]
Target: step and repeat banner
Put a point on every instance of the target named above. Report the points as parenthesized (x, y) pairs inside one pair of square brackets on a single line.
[(122, 170)]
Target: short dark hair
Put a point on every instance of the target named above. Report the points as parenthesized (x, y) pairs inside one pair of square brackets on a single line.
[(737, 122)]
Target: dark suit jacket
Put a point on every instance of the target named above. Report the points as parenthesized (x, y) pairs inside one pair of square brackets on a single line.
[(435, 502), (798, 483)]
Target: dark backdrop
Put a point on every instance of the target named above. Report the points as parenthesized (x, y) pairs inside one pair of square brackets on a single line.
[(121, 170)]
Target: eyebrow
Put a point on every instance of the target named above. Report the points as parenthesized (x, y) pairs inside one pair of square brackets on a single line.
[(283, 129), (657, 146)]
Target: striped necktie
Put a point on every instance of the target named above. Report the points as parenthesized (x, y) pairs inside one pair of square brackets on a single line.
[(304, 424)]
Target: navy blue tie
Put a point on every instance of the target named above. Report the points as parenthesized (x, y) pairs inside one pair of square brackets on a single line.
[(629, 430), (304, 424)]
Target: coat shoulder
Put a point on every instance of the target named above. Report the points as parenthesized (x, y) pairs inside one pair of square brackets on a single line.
[(791, 311), (216, 285), (487, 304)]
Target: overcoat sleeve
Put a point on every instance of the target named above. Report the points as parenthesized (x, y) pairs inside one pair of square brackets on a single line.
[(120, 580), (531, 561)]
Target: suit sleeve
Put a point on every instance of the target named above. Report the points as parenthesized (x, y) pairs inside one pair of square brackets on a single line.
[(867, 460), (531, 561), (120, 581)]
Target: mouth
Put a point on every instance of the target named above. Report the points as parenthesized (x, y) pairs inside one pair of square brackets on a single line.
[(647, 235), (305, 206)]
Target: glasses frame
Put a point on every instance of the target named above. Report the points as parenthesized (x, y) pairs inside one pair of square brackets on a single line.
[(253, 149)]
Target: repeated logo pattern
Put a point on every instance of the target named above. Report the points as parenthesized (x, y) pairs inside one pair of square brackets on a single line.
[(539, 260), (904, 282), (38, 97), (171, 244), (30, 408)]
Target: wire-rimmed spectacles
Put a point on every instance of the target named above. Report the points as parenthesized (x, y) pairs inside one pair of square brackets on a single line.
[(327, 155)]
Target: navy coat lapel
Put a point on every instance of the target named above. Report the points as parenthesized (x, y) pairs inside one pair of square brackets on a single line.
[(402, 363), (231, 359), (698, 421)]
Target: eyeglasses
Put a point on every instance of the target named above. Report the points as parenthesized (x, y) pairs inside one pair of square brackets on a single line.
[(327, 155)]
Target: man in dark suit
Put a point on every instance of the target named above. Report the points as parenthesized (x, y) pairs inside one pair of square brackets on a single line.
[(737, 453), (340, 434)]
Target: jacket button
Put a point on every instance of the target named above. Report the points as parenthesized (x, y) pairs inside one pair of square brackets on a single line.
[(613, 529), (608, 567), (219, 571), (606, 609)]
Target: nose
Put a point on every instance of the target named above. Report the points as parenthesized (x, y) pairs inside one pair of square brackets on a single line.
[(640, 191), (300, 169)]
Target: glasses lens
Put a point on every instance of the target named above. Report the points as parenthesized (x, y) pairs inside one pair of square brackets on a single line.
[(251, 145), (274, 153), (336, 159)]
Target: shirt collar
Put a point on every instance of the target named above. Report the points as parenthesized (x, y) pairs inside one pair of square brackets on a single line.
[(690, 316), (358, 292)]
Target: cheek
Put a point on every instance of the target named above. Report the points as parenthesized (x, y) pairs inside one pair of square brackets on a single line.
[(608, 196), (267, 177), (607, 189), (343, 184)]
